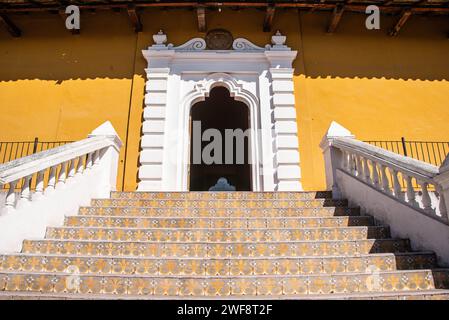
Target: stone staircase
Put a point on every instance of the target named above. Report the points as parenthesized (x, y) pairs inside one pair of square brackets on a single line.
[(220, 244)]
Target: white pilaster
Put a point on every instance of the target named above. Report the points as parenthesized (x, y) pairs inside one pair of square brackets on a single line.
[(286, 131), (153, 128)]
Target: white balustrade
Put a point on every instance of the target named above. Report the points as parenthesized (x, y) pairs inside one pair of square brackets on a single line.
[(410, 196), (66, 173), (45, 187), (372, 165)]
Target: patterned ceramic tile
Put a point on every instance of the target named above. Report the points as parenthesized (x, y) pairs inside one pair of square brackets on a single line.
[(244, 286), (217, 287), (218, 212), (225, 203), (223, 266), (220, 195), (269, 286)]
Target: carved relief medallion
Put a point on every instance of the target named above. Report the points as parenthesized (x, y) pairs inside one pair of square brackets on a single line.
[(219, 39)]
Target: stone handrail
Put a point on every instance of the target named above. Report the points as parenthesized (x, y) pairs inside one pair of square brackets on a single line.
[(61, 165), (370, 164), (413, 167)]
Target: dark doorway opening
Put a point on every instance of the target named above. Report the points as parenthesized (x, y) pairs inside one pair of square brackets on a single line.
[(220, 111)]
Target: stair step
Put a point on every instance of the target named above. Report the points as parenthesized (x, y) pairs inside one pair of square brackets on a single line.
[(216, 249), (225, 235), (383, 281), (239, 195), (220, 212), (436, 294), (216, 266), (219, 203), (196, 222)]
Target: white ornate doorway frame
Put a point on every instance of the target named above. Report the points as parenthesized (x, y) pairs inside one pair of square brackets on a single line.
[(178, 77), (200, 93)]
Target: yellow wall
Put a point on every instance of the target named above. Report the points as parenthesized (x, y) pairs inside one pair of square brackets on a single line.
[(59, 87)]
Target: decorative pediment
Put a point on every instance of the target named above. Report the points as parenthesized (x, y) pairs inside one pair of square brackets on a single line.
[(194, 44), (242, 44), (239, 44)]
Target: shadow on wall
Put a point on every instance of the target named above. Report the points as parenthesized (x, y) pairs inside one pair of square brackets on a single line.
[(418, 52), (48, 51), (108, 45)]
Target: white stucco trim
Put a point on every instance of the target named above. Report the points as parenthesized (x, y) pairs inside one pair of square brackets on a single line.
[(199, 93), (178, 77)]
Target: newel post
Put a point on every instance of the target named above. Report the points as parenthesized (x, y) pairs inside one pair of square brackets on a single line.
[(442, 183), (333, 157), (107, 164)]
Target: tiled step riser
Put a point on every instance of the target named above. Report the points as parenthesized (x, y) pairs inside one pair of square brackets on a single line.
[(215, 235), (240, 223), (210, 204), (216, 250), (223, 286), (216, 213), (215, 267), (398, 295), (223, 195)]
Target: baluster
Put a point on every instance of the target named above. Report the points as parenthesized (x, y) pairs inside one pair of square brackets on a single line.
[(410, 192), (80, 166), (375, 174), (359, 166), (396, 185), (51, 179), (351, 164), (39, 184), (96, 158), (347, 159), (71, 170), (385, 184), (426, 201), (442, 205), (366, 171), (11, 195), (62, 174), (89, 161), (354, 164), (344, 155), (25, 194)]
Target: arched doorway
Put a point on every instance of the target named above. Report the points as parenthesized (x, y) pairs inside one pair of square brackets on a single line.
[(219, 134)]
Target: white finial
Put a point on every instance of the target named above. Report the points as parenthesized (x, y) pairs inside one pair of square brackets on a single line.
[(160, 38), (278, 41)]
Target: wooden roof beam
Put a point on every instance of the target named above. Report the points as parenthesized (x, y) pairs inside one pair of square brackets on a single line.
[(10, 26), (134, 18), (405, 15), (336, 17), (201, 17), (269, 16), (389, 6)]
